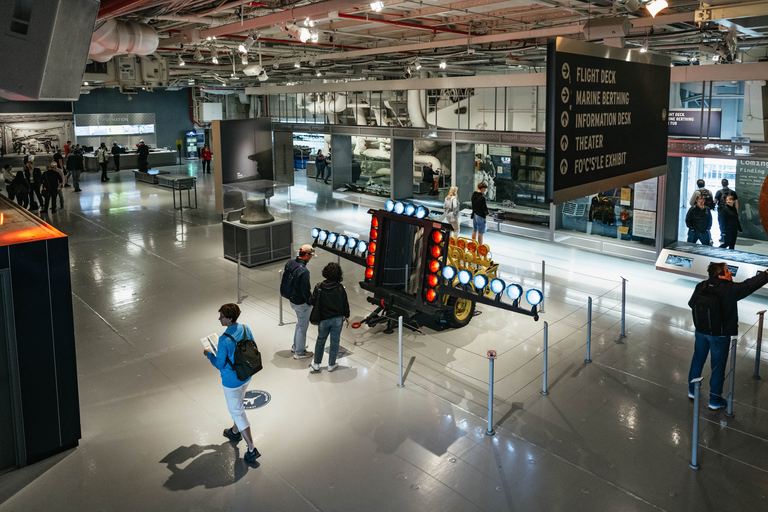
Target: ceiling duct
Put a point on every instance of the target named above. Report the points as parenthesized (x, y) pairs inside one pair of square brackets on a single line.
[(121, 38), (607, 28)]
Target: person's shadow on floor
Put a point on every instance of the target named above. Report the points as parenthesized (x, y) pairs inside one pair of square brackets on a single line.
[(210, 466)]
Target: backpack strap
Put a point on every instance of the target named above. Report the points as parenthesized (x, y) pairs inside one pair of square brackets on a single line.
[(233, 339)]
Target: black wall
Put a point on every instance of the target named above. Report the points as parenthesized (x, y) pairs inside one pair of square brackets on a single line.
[(171, 109)]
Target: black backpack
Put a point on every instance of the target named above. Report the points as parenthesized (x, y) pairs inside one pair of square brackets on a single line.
[(247, 357), (709, 202), (707, 310)]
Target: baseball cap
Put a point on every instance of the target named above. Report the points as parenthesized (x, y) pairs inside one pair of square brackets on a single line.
[(307, 249)]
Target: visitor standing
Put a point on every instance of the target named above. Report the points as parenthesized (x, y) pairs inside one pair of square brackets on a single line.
[(206, 155), (319, 165), (479, 212), (332, 309), (143, 151), (699, 221), (103, 158), (730, 223), (451, 207), (116, 150), (75, 167), (296, 288), (51, 183)]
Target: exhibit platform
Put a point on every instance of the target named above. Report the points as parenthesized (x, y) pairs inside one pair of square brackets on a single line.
[(693, 259)]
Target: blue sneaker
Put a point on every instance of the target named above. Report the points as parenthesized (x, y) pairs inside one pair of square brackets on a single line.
[(716, 406)]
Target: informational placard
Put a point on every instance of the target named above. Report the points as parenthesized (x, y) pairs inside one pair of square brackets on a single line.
[(750, 177), (606, 118), (644, 224), (692, 122), (645, 194)]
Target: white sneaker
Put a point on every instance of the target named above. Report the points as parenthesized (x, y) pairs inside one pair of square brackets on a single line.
[(332, 367), (314, 367)]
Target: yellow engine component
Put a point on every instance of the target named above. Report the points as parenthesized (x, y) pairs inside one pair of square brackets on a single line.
[(465, 254)]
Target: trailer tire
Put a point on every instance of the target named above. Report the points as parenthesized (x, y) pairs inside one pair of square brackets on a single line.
[(459, 311)]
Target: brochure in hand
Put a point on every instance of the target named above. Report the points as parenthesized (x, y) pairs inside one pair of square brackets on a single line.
[(211, 342)]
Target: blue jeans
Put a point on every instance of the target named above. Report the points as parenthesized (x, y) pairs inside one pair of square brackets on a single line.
[(719, 347), (332, 326), (327, 172), (302, 323), (698, 235), (320, 168)]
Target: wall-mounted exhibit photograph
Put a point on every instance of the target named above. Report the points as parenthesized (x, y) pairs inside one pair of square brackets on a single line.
[(21, 134)]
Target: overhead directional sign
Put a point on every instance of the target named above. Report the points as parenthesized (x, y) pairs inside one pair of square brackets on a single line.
[(606, 118)]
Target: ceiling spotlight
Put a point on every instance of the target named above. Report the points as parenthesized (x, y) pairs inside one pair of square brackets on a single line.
[(214, 56), (181, 61), (85, 83), (318, 73), (244, 60), (407, 73), (632, 5), (198, 55), (304, 34), (377, 6), (297, 64), (246, 45), (314, 35), (644, 47), (442, 64), (308, 22), (417, 64), (656, 6), (276, 64)]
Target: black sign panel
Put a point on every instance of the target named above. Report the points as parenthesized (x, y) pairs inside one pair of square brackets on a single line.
[(689, 122), (606, 118)]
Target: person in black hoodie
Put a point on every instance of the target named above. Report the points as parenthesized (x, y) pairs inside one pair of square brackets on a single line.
[(720, 283), (699, 220), (479, 212), (20, 187), (330, 299), (730, 222), (52, 182)]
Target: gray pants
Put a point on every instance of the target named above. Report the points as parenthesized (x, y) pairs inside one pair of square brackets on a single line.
[(302, 323), (76, 179)]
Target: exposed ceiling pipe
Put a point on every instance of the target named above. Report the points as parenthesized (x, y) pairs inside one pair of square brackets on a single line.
[(120, 38), (109, 8), (204, 20), (399, 23)]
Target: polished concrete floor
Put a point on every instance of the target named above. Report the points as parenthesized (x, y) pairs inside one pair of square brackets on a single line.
[(614, 434)]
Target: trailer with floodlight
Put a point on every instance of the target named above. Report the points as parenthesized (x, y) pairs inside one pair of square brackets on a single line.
[(414, 266)]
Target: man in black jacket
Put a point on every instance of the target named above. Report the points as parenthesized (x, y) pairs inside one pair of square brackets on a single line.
[(116, 150), (75, 166), (479, 212), (699, 221), (143, 151), (301, 293), (52, 182), (721, 283)]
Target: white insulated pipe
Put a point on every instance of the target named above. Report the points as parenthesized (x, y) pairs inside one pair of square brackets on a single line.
[(122, 38), (414, 109)]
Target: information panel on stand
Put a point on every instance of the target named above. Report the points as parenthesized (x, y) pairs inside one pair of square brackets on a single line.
[(606, 118)]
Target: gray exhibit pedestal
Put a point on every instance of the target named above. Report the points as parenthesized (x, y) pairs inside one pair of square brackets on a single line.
[(257, 243)]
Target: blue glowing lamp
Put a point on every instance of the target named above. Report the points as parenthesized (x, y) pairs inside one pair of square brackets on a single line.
[(465, 276), (421, 212), (362, 247), (389, 205), (449, 273), (534, 297), (352, 242), (332, 238), (514, 292), (399, 208), (410, 210), (342, 241), (480, 281), (315, 232), (323, 235), (497, 286)]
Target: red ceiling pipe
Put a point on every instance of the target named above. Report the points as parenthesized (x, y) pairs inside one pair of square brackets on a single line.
[(400, 24)]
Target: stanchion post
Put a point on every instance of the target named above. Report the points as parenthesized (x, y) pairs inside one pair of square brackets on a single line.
[(758, 348), (543, 285), (239, 300), (623, 306), (732, 380), (695, 444), (491, 359), (589, 330), (546, 344), (279, 298), (400, 347)]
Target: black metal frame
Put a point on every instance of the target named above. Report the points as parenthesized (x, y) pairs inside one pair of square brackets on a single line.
[(482, 299)]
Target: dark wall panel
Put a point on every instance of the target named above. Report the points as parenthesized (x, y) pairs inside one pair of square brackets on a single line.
[(171, 109), (37, 369), (64, 339), (24, 107)]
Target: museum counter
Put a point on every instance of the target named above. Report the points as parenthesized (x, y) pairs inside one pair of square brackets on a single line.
[(157, 157)]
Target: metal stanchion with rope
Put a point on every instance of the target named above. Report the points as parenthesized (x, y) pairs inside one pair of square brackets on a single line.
[(695, 443), (759, 345), (491, 359)]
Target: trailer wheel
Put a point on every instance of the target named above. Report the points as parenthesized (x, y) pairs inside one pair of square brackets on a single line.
[(459, 311)]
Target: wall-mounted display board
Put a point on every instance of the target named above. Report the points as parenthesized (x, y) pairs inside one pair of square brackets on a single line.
[(606, 118), (41, 133), (126, 129), (692, 122)]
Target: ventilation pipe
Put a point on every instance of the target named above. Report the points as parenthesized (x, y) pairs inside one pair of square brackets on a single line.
[(113, 38), (414, 109)]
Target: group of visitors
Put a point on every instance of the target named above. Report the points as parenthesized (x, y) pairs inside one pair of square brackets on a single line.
[(322, 165), (35, 189), (698, 220)]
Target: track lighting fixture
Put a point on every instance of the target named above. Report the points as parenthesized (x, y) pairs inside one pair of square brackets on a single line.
[(442, 64), (417, 64), (181, 61), (246, 45), (297, 64), (198, 55), (656, 6), (377, 6), (244, 59)]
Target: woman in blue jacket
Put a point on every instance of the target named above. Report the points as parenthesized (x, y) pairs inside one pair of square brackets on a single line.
[(234, 388)]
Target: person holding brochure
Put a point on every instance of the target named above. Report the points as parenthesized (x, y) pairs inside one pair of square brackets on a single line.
[(234, 388)]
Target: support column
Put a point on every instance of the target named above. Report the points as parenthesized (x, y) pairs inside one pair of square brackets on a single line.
[(401, 166)]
